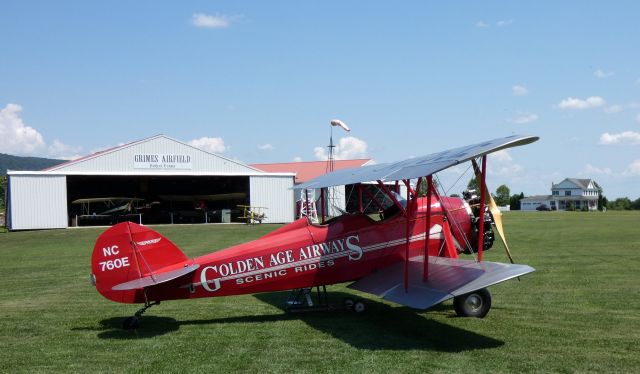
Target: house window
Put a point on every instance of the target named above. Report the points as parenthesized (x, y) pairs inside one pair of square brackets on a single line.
[(567, 193), (555, 192)]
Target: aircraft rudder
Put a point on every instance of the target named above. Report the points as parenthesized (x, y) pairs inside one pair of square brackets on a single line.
[(126, 252)]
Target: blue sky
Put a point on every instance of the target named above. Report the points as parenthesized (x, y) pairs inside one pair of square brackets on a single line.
[(259, 81)]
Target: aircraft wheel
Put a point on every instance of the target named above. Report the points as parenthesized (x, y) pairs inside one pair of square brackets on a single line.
[(359, 307), (473, 304), (348, 303), (131, 323)]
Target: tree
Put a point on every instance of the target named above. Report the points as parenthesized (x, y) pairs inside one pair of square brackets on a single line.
[(502, 195), (602, 201), (473, 185), (3, 188), (423, 187), (636, 204), (621, 203), (514, 201)]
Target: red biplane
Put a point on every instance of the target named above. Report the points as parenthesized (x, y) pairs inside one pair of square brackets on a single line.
[(391, 256)]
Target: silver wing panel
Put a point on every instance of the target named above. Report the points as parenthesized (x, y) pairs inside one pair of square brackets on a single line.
[(156, 279), (415, 167), (447, 278)]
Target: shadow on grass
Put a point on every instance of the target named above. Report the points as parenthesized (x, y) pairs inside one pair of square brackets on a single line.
[(151, 326), (380, 327)]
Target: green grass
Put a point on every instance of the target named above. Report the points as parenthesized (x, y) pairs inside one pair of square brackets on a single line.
[(579, 312)]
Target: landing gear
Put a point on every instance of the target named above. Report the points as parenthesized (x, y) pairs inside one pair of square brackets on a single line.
[(474, 304), (133, 322), (359, 307), (303, 300)]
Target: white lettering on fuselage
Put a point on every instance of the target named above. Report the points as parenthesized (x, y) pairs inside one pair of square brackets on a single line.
[(309, 258)]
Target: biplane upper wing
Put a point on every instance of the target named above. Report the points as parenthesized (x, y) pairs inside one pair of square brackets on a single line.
[(447, 278), (416, 167)]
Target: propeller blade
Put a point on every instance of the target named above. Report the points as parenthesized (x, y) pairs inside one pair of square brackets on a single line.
[(495, 212)]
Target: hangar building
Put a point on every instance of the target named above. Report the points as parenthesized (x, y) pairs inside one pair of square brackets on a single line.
[(154, 180)]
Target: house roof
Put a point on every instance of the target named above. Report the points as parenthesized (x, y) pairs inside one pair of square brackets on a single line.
[(579, 183), (307, 170)]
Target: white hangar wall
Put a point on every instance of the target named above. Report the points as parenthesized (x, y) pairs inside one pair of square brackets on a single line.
[(37, 202), (274, 193)]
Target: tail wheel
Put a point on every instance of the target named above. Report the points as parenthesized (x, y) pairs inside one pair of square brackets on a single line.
[(474, 304)]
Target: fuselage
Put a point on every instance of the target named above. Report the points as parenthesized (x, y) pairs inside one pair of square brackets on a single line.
[(302, 254)]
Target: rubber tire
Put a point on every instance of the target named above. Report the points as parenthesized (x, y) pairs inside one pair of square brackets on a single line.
[(348, 303), (130, 323), (359, 307), (464, 307)]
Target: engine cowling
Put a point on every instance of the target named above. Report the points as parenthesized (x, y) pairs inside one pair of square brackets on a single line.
[(473, 200)]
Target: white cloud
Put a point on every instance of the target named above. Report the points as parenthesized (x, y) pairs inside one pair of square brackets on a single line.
[(504, 23), (506, 170), (591, 170), (347, 148), (209, 21), (633, 169), (519, 90), (266, 147), (630, 137), (613, 108), (602, 74), (59, 150), (482, 24), (590, 102), (214, 145), (502, 164), (501, 156), (15, 136), (297, 159), (523, 118)]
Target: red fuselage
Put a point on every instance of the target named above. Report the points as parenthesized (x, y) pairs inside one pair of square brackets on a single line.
[(297, 255), (302, 254)]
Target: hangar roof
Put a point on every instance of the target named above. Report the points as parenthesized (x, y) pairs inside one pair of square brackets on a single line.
[(157, 155), (307, 170)]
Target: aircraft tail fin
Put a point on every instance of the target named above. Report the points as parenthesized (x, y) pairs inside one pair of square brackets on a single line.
[(128, 257)]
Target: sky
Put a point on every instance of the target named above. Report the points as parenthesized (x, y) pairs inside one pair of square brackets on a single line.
[(259, 81)]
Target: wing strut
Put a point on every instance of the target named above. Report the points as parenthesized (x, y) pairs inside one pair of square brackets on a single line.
[(483, 193), (410, 205), (427, 228)]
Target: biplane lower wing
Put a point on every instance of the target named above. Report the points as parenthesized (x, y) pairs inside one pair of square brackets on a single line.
[(448, 278)]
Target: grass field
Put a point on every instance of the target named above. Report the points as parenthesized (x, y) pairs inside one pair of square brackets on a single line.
[(579, 312)]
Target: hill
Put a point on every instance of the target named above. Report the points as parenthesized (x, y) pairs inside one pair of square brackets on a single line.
[(9, 162)]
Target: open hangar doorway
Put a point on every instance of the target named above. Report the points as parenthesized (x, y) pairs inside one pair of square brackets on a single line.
[(153, 199)]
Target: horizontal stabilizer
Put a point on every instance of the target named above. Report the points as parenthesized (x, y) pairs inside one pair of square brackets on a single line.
[(447, 278), (152, 280)]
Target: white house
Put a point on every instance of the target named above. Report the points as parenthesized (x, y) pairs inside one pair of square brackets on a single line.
[(574, 192)]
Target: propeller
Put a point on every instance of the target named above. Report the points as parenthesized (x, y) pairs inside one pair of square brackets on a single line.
[(494, 210)]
